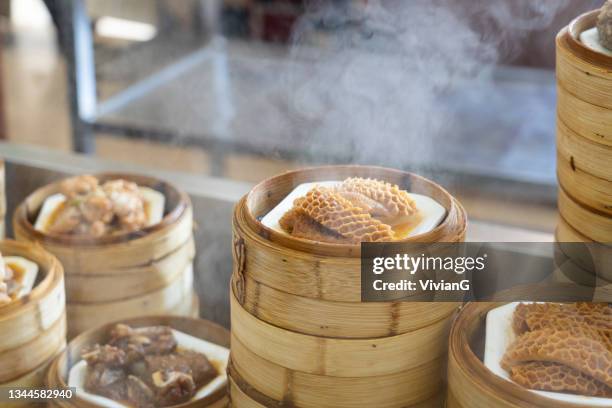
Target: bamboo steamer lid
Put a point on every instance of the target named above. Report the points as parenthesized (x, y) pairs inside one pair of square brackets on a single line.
[(340, 319), (313, 269), (32, 328), (58, 371), (335, 356), (588, 222), (305, 390), (593, 191), (470, 383), (584, 73)]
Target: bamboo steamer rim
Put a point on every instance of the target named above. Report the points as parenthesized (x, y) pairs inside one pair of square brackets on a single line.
[(578, 26), (203, 329), (23, 212), (338, 356), (404, 180), (47, 264), (470, 380)]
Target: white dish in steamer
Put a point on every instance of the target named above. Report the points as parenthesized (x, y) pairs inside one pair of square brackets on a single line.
[(217, 355), (590, 38), (499, 335), (432, 212)]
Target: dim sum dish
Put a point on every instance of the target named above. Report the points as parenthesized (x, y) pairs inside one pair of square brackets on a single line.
[(32, 313), (353, 211), (563, 351), (531, 354), (125, 241), (146, 363)]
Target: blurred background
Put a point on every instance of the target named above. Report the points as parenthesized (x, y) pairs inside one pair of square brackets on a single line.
[(459, 90)]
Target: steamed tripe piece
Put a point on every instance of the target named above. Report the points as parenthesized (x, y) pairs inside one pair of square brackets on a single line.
[(384, 201), (556, 377), (571, 347), (335, 213), (87, 208), (593, 318)]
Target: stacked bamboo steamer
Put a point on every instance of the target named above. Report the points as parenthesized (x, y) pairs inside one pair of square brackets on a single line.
[(584, 150), (57, 375), (32, 328), (146, 272), (301, 335)]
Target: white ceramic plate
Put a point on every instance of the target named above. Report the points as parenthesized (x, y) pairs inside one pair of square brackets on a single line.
[(590, 38), (499, 335), (432, 212), (217, 355)]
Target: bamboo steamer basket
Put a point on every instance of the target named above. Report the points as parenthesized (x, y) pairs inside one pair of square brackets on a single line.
[(123, 275), (584, 73), (588, 120), (32, 328), (582, 153), (174, 298), (245, 396), (594, 258), (308, 390), (340, 319), (58, 371), (319, 270), (593, 191), (470, 383), (593, 225), (2, 199), (309, 323)]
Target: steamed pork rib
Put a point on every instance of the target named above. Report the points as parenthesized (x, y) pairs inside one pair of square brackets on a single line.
[(93, 209), (357, 210), (562, 347), (145, 367)]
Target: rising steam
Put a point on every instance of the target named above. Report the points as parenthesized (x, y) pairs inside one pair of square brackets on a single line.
[(373, 75)]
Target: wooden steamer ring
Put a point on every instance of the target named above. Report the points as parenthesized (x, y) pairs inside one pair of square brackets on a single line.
[(32, 328), (291, 295), (470, 383), (146, 272), (57, 375)]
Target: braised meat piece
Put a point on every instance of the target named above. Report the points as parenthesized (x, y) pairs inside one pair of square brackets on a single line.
[(173, 387), (106, 375), (143, 367), (106, 355), (139, 393), (143, 341), (184, 361)]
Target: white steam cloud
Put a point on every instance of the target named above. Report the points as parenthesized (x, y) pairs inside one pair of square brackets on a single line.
[(372, 76)]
